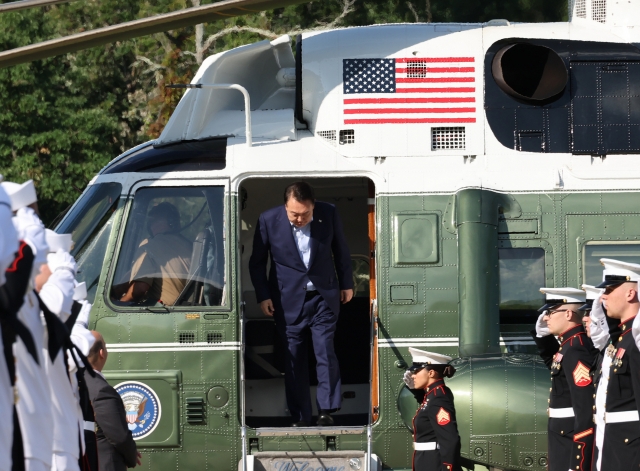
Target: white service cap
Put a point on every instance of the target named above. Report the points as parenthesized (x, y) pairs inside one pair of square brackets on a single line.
[(557, 296), (592, 292), (430, 358), (21, 194), (616, 272), (57, 241)]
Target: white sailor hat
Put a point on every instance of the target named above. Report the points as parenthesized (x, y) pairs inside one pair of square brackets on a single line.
[(21, 194), (422, 359), (592, 293), (58, 241), (557, 296), (616, 272), (80, 291)]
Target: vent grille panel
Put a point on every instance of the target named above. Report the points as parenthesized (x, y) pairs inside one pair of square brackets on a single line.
[(347, 136), (581, 8), (329, 136), (187, 337), (599, 10), (448, 138), (416, 69), (195, 411), (215, 337)]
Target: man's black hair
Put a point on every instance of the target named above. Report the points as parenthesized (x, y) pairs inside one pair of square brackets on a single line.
[(166, 211), (300, 191)]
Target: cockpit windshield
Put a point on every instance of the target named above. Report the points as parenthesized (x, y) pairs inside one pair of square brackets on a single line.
[(89, 223), (172, 253)]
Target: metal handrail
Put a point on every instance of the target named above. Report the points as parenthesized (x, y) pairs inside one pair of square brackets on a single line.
[(372, 334), (227, 86)]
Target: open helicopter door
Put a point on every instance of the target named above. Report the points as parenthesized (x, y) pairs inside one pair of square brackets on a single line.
[(266, 419)]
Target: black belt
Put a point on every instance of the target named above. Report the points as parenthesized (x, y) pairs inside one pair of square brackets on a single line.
[(310, 294)]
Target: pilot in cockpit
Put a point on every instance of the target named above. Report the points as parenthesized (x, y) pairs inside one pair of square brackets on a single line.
[(161, 267)]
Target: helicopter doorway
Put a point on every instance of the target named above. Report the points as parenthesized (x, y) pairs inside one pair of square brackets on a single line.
[(265, 401)]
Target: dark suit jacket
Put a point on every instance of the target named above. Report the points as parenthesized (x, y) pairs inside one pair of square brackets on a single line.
[(286, 283), (116, 448)]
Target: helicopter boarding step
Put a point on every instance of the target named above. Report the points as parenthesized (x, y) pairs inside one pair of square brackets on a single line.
[(348, 460)]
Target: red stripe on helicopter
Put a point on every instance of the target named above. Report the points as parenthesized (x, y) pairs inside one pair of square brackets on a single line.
[(409, 120)]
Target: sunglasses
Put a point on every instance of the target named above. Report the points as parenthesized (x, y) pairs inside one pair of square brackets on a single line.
[(553, 311), (413, 369)]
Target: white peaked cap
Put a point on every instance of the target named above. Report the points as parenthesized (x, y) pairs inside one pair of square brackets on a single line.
[(616, 272), (80, 291), (57, 241), (21, 195), (420, 356), (564, 295), (592, 292)]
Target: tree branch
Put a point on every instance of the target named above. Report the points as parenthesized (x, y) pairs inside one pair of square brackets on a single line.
[(413, 10)]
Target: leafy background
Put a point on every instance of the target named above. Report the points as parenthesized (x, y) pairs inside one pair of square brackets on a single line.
[(63, 118)]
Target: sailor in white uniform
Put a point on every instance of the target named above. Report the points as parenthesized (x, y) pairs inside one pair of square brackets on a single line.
[(57, 295), (8, 249), (34, 397)]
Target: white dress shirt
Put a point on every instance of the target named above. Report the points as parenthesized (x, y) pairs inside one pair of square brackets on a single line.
[(302, 236)]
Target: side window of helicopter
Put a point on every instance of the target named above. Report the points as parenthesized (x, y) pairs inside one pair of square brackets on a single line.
[(625, 251), (89, 223), (521, 277), (172, 253)]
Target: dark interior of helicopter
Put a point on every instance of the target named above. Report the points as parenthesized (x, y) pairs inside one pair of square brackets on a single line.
[(264, 350)]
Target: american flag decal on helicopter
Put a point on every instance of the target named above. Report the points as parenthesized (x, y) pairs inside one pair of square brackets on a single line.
[(409, 90)]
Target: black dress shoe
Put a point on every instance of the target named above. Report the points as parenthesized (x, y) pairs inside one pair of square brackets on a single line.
[(302, 423), (324, 419)]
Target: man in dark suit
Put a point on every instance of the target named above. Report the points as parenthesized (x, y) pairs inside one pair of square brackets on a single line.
[(310, 276), (116, 449)]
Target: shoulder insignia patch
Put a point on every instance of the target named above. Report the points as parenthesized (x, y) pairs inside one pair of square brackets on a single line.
[(581, 375), (443, 417)]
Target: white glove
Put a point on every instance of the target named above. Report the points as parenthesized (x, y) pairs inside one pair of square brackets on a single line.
[(408, 380), (542, 330), (599, 329), (61, 260), (57, 293), (85, 313), (635, 330), (30, 229)]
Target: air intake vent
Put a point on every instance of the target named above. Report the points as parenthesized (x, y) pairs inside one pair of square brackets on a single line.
[(195, 411), (448, 138), (329, 136), (186, 337), (580, 8), (215, 337), (347, 136), (599, 10), (416, 69)]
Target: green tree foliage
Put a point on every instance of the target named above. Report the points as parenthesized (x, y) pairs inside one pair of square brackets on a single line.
[(66, 117)]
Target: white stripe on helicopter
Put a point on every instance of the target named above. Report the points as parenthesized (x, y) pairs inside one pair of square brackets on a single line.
[(171, 347), (445, 342)]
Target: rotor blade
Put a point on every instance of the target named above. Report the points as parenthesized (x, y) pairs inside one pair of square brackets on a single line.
[(142, 27), (23, 4)]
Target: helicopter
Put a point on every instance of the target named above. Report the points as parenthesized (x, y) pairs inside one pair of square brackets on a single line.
[(472, 164)]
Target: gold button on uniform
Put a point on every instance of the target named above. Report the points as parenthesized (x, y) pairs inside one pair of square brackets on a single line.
[(626, 440)]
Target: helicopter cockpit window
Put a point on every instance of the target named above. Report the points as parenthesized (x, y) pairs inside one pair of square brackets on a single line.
[(172, 253), (521, 277), (89, 223)]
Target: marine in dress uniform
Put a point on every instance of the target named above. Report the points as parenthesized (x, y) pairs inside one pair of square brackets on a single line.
[(436, 441), (620, 383), (598, 327), (570, 359)]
